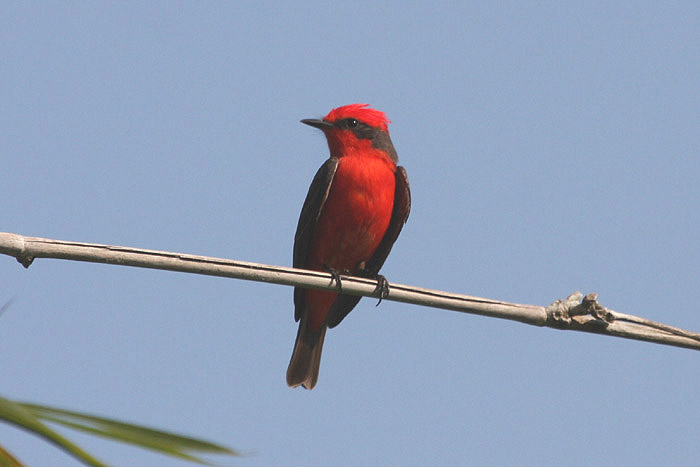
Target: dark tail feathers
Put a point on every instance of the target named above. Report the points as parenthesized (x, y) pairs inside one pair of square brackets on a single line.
[(306, 358)]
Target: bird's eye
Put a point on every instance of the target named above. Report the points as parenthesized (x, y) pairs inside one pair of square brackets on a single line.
[(351, 123)]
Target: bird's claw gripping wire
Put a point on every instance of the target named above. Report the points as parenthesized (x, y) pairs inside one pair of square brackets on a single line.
[(382, 283), (383, 287), (335, 276)]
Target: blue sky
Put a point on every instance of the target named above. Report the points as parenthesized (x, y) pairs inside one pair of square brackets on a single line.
[(550, 146)]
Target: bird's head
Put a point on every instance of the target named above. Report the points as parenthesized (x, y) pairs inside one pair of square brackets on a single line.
[(355, 129)]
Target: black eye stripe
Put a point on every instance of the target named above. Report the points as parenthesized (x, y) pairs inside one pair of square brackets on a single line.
[(349, 124), (361, 129)]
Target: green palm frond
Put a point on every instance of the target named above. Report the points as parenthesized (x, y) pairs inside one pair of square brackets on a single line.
[(31, 417)]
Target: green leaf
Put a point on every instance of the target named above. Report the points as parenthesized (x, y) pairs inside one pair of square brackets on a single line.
[(31, 416), (18, 415)]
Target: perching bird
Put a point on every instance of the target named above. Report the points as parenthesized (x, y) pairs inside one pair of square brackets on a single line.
[(355, 208)]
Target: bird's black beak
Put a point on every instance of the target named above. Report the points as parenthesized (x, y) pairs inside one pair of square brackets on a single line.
[(320, 124)]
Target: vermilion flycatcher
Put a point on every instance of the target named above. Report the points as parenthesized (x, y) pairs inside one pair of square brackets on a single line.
[(355, 208)]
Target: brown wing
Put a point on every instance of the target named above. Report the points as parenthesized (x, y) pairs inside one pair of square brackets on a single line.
[(313, 204), (402, 207)]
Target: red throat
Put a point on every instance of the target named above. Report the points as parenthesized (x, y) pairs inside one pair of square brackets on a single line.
[(344, 143)]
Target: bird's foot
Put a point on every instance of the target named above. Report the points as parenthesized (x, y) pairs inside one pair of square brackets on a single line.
[(382, 284), (382, 287), (335, 276)]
